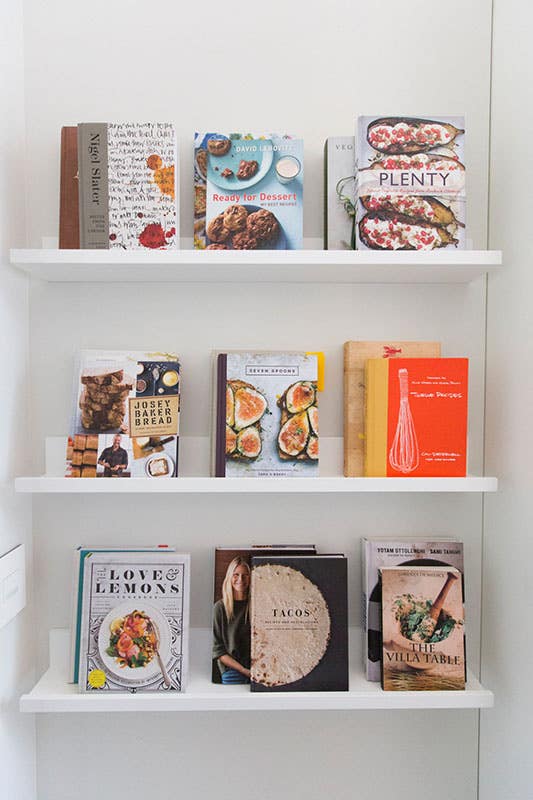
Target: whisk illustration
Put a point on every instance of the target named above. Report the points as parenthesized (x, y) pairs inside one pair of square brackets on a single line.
[(404, 454)]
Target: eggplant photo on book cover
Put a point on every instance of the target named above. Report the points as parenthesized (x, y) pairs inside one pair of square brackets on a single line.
[(299, 623), (411, 183)]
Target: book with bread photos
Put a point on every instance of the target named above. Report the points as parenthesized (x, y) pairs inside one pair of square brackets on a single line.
[(248, 192), (134, 622), (266, 414), (416, 417), (423, 629), (299, 622), (411, 183), (128, 185), (356, 353), (125, 418)]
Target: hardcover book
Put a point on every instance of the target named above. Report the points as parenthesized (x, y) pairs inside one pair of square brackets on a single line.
[(69, 222), (231, 614), (125, 420), (266, 409), (423, 633), (340, 193), (80, 555), (134, 622), (128, 185), (416, 413), (355, 356), (411, 183), (385, 552), (299, 620), (248, 192)]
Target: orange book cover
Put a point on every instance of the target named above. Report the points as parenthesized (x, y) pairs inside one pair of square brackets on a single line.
[(416, 417)]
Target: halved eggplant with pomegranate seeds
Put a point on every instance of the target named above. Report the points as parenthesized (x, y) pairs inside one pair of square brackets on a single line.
[(420, 161), (249, 442), (387, 231), (293, 436), (427, 209), (299, 396), (397, 135)]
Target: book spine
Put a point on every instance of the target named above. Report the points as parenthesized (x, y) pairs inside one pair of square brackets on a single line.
[(93, 186), (69, 228), (376, 417), (220, 444)]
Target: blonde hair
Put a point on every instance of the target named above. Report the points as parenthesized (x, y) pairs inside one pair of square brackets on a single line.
[(227, 589)]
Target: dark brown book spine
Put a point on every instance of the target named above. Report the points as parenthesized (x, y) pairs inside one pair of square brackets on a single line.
[(220, 445), (69, 224)]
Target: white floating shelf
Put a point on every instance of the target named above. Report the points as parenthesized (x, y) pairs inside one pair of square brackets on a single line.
[(257, 266), (54, 694), (51, 485)]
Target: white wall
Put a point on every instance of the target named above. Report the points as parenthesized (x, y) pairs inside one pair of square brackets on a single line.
[(506, 731), (17, 642), (308, 68)]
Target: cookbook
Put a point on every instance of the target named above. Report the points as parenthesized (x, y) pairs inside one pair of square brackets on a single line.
[(423, 629), (134, 622), (128, 185), (125, 420), (231, 612), (416, 415), (299, 621), (248, 192), (339, 193), (266, 414), (411, 180), (355, 356), (387, 552)]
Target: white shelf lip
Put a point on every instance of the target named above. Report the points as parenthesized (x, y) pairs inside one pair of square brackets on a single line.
[(53, 694), (51, 485), (256, 266)]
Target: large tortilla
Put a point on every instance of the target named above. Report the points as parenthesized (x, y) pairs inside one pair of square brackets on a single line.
[(290, 625)]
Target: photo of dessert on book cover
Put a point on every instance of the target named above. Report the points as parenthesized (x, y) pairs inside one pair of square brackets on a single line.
[(299, 623), (125, 420), (266, 415), (423, 629), (248, 192), (134, 622), (411, 183)]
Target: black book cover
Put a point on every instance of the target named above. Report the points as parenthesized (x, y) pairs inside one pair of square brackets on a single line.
[(299, 620)]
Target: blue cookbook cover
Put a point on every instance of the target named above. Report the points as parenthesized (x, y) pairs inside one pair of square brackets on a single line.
[(248, 192)]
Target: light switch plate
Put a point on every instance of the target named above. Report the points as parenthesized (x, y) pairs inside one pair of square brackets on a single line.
[(12, 584)]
